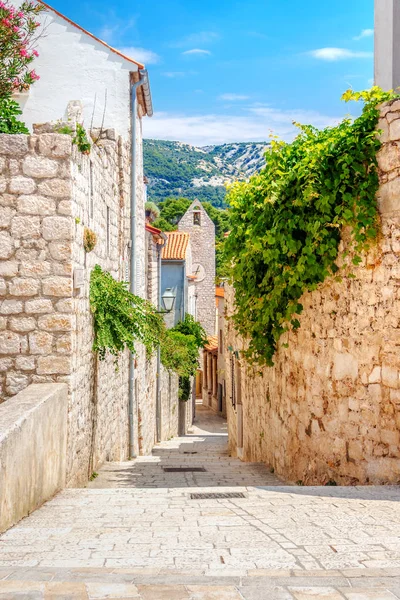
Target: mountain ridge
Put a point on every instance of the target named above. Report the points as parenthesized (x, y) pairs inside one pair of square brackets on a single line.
[(179, 169)]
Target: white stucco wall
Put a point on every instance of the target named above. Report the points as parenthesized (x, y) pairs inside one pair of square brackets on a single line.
[(74, 66)]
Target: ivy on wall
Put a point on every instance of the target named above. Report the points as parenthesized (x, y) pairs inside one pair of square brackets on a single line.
[(180, 352), (121, 319), (286, 222)]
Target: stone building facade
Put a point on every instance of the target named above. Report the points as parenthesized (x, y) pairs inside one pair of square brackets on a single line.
[(329, 409), (213, 385), (49, 193), (158, 409), (202, 237)]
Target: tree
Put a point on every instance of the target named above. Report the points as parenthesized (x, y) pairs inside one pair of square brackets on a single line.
[(171, 211), (17, 35), (18, 27)]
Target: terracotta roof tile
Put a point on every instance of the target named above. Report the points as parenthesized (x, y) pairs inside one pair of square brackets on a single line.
[(176, 246), (212, 343)]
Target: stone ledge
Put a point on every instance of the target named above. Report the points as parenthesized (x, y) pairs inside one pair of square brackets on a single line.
[(33, 433)]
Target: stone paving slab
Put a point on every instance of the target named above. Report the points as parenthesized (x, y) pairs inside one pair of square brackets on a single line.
[(135, 532), (267, 588)]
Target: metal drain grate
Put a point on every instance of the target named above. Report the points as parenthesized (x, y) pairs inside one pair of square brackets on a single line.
[(184, 469), (217, 496)]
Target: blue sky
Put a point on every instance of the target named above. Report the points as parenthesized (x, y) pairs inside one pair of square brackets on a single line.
[(226, 70)]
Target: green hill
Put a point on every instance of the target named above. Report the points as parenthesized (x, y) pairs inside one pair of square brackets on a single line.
[(177, 169)]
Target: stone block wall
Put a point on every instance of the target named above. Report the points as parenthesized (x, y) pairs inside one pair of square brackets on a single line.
[(169, 382), (98, 416), (329, 409), (202, 240), (49, 192), (36, 317)]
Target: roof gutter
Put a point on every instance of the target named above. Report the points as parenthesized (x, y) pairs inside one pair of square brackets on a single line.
[(144, 81)]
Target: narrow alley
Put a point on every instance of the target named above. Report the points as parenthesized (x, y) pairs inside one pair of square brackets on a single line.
[(153, 528)]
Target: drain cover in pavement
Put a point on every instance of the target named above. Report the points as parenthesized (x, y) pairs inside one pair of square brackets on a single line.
[(184, 469), (217, 496)]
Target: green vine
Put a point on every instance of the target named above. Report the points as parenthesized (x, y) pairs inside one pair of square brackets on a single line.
[(9, 111), (286, 222), (79, 137), (120, 318), (180, 352)]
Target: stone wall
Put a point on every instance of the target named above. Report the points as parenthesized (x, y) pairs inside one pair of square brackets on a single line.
[(330, 407), (49, 193), (169, 382), (202, 239), (98, 416), (36, 317), (33, 438)]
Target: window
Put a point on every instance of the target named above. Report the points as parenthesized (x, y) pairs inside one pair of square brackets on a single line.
[(108, 231), (196, 217), (221, 347)]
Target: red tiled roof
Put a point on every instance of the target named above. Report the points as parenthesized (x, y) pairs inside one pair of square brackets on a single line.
[(152, 229), (212, 344), (176, 246), (219, 292), (135, 62)]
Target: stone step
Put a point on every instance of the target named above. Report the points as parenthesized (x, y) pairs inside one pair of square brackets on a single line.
[(159, 584)]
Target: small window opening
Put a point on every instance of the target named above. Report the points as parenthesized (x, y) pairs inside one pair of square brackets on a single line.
[(91, 191), (108, 231), (196, 217)]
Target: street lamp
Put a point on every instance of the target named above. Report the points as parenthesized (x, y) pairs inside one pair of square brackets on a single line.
[(168, 299)]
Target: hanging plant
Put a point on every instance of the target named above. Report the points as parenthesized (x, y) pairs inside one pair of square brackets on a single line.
[(89, 239), (286, 221), (121, 318)]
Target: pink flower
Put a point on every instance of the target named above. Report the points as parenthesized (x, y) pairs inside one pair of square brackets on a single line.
[(20, 15), (23, 53), (15, 29), (6, 22), (34, 75), (35, 53)]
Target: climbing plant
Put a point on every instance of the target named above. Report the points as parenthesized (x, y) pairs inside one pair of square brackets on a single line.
[(286, 221), (120, 318), (180, 351)]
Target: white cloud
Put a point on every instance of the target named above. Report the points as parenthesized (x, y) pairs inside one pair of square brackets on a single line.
[(197, 39), (233, 97), (174, 74), (256, 125), (106, 33), (332, 54), (147, 57), (197, 51), (365, 33)]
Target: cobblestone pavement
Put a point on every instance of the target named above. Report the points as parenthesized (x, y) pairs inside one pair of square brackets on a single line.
[(135, 532)]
